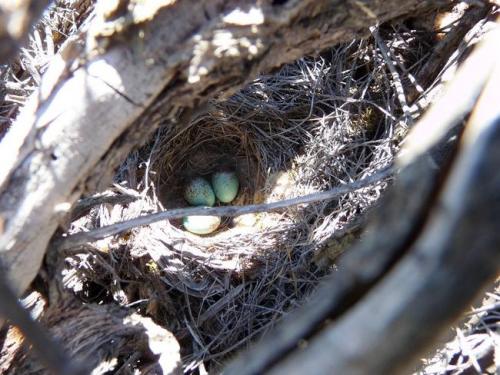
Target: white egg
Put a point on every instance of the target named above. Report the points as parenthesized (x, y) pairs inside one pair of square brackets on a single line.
[(201, 224)]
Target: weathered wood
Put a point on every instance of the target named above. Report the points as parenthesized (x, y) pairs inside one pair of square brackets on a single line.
[(48, 351), (94, 103), (16, 19), (12, 34), (421, 265)]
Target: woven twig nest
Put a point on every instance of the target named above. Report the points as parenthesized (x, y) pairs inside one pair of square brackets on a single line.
[(311, 126), (280, 147)]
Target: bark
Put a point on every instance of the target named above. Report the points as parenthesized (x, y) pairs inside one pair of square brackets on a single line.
[(96, 100)]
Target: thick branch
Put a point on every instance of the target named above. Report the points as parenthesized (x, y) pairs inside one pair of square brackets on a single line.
[(94, 104)]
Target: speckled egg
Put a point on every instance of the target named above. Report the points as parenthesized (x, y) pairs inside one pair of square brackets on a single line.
[(201, 224), (199, 193), (225, 186)]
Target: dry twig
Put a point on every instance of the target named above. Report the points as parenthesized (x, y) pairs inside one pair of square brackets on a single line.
[(110, 230)]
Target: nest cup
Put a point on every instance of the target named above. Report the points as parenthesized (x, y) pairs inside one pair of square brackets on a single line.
[(280, 146), (201, 150), (211, 144)]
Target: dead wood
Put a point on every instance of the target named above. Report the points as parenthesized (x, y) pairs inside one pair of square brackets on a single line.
[(100, 337), (16, 19), (92, 106), (417, 268)]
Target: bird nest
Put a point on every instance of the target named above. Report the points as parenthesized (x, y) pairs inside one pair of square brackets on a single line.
[(281, 145), (309, 127)]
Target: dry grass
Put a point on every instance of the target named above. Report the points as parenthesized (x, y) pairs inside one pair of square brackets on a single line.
[(307, 127), (310, 126), (475, 347)]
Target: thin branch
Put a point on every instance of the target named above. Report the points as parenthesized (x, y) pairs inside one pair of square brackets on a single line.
[(111, 230), (398, 85), (84, 205)]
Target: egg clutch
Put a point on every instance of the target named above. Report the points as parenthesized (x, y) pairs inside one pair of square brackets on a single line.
[(223, 186)]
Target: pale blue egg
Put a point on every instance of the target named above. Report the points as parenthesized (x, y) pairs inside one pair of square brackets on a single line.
[(225, 186)]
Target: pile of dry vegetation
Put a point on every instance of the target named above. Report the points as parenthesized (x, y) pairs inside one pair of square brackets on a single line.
[(311, 126)]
